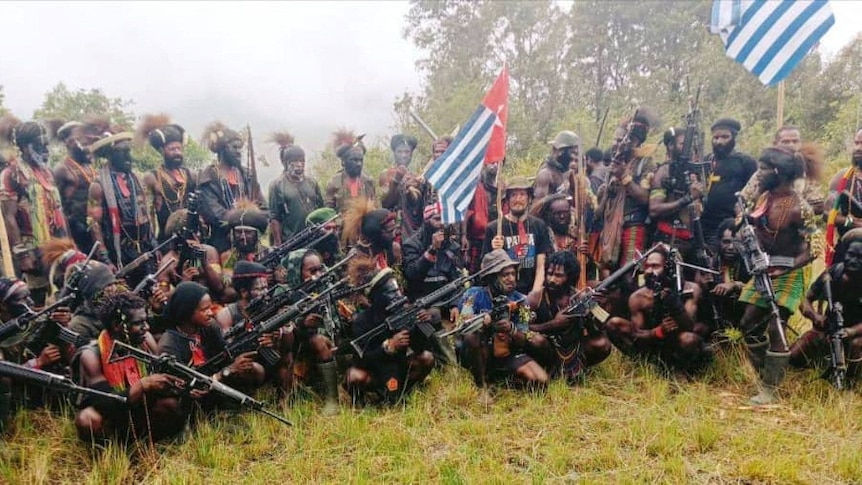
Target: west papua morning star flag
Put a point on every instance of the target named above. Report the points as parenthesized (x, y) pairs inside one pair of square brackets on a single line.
[(770, 37), (481, 140)]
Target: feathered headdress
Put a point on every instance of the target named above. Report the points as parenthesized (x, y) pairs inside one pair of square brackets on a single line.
[(281, 138), (159, 131), (345, 140), (287, 150), (814, 156), (217, 135), (363, 218), (639, 126), (99, 133), (8, 123)]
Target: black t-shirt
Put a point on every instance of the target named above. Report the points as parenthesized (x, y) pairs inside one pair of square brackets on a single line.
[(525, 252), (728, 177), (181, 345), (850, 298)]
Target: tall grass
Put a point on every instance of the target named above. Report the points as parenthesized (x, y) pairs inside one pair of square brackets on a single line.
[(627, 423)]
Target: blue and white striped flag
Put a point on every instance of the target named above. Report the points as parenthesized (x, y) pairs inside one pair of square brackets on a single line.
[(456, 172), (770, 37)]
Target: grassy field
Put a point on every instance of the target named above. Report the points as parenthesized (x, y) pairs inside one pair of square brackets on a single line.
[(626, 424)]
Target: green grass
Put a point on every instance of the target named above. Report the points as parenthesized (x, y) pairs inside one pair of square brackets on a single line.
[(625, 424)]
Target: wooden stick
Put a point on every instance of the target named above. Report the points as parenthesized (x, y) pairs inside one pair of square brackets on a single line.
[(500, 191), (780, 107)]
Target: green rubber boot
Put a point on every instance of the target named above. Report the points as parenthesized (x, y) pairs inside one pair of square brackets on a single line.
[(774, 368), (329, 373)]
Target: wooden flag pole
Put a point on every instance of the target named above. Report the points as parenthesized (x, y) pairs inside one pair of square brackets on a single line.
[(780, 108), (500, 191)]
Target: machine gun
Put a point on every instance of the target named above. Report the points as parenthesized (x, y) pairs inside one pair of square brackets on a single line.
[(501, 308), (194, 256), (51, 381), (167, 364), (403, 315), (306, 238), (584, 301), (20, 326), (757, 263), (145, 287), (49, 332), (147, 256), (248, 341), (835, 334)]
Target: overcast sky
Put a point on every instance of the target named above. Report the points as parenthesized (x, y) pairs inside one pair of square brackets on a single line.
[(308, 67)]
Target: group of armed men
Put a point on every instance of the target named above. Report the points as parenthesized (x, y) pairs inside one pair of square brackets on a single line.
[(154, 297)]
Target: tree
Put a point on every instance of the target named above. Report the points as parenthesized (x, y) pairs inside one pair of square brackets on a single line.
[(62, 103)]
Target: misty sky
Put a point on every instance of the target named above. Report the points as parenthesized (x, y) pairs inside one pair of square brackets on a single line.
[(308, 67)]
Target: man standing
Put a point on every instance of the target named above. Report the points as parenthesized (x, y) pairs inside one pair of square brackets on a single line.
[(731, 170), (845, 199), (225, 186), (553, 174), (405, 193), (349, 183), (292, 196), (785, 230), (524, 237), (74, 176), (170, 184), (624, 198), (118, 211), (30, 200)]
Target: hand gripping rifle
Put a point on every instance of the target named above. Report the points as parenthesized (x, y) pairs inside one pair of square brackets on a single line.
[(195, 256), (306, 238), (49, 332), (584, 301), (501, 309), (757, 263), (147, 256), (167, 364), (404, 315), (19, 326), (145, 287), (51, 381), (835, 334), (248, 341), (74, 281)]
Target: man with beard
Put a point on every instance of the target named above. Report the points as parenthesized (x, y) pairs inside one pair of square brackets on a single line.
[(385, 367), (553, 174), (577, 342), (731, 170), (30, 200), (371, 232), (556, 211), (732, 276), (845, 199), (292, 196), (430, 258), (503, 348), (405, 193), (524, 237), (170, 184), (245, 238), (670, 205), (118, 207), (482, 209), (845, 278), (663, 321), (624, 198), (786, 231), (74, 176), (226, 188), (152, 409), (350, 183)]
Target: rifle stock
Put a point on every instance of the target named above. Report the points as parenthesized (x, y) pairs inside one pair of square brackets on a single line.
[(51, 381)]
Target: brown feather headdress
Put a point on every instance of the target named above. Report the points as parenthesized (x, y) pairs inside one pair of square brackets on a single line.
[(217, 135), (344, 140)]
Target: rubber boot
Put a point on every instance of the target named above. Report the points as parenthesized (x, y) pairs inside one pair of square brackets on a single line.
[(444, 351), (774, 369), (329, 373), (756, 352)]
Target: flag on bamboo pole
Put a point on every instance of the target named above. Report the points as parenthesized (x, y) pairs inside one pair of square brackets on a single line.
[(770, 37), (482, 139)]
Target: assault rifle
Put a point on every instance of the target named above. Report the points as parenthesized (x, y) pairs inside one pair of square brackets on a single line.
[(74, 281), (147, 256), (51, 381), (757, 263), (835, 334), (145, 287), (405, 316), (195, 256), (501, 308), (167, 364), (306, 238), (21, 324), (248, 341), (584, 302)]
